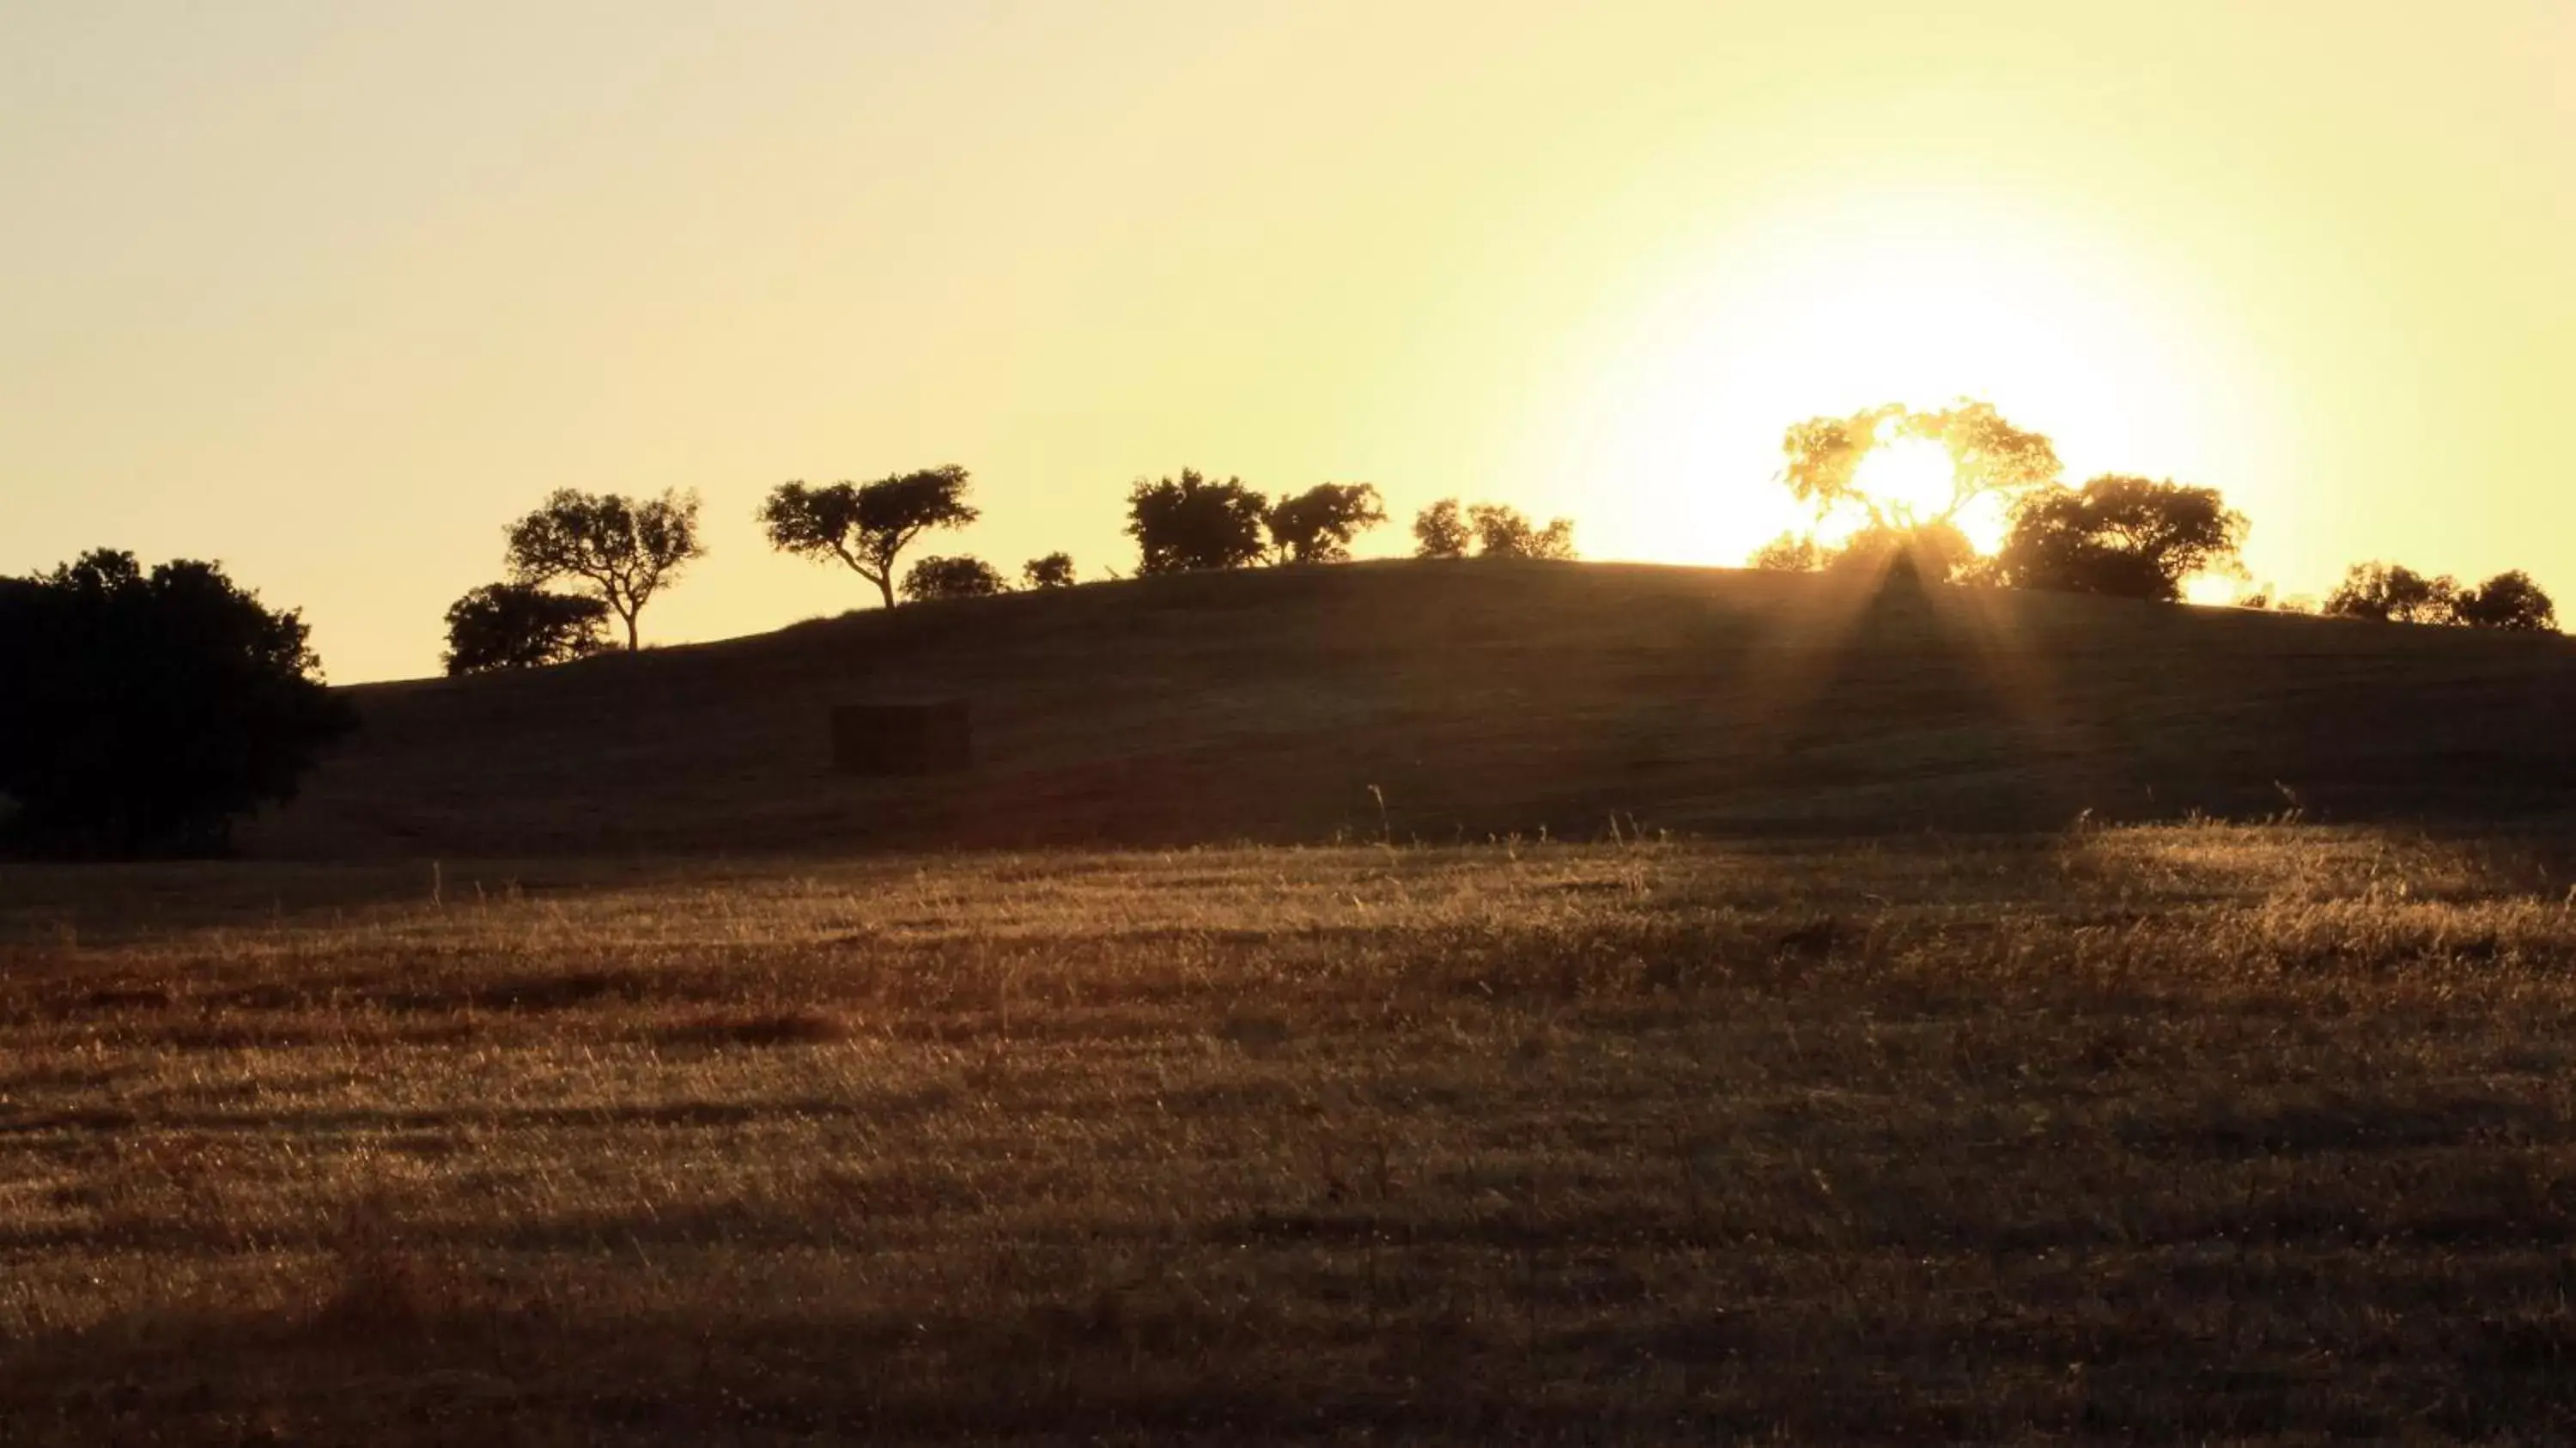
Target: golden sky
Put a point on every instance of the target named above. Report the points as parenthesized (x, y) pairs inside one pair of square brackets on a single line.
[(332, 291)]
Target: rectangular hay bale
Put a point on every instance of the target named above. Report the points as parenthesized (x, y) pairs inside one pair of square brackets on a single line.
[(932, 738)]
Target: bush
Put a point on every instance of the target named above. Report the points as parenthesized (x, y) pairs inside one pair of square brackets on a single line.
[(514, 626), (936, 578), (140, 713)]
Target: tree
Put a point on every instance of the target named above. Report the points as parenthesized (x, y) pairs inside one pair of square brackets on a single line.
[(513, 626), (1505, 532), (140, 712), (1194, 523), (1317, 525), (2388, 593), (1053, 571), (2506, 601), (2121, 536), (1440, 531), (625, 550), (937, 578), (867, 526), (1987, 456)]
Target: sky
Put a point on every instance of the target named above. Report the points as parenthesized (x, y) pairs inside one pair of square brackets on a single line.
[(331, 292)]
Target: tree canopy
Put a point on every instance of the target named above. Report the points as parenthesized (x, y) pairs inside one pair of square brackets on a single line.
[(1193, 523), (1319, 524), (141, 712), (1506, 532), (867, 526), (1440, 531), (2391, 593), (1055, 570), (514, 626), (1988, 457), (2507, 601), (935, 578), (623, 549), (2121, 536)]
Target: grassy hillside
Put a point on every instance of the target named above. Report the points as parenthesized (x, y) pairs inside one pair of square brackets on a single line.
[(1477, 699)]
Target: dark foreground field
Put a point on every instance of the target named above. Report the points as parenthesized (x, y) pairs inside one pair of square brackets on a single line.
[(2189, 1134)]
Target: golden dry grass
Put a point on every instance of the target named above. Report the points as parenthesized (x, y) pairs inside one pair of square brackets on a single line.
[(2190, 1134)]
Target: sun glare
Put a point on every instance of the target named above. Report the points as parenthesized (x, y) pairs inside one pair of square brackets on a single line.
[(1908, 479), (1884, 290), (2209, 589)]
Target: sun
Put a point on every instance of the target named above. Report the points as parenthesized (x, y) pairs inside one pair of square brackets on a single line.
[(1909, 480), (2211, 590), (1916, 290), (1913, 481)]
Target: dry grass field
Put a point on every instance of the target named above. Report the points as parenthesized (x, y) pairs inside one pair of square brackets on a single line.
[(2185, 1133)]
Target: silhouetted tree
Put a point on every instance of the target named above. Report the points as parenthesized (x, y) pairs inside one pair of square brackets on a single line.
[(1053, 571), (936, 578), (2388, 593), (1988, 456), (2121, 536), (1789, 553), (140, 712), (1317, 525), (1193, 523), (2506, 601), (1505, 532), (513, 626), (625, 550), (867, 526), (1440, 531)]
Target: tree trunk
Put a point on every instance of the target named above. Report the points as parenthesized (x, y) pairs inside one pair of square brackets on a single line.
[(629, 616), (885, 585)]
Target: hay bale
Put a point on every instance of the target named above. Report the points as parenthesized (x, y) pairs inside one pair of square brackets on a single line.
[(933, 738)]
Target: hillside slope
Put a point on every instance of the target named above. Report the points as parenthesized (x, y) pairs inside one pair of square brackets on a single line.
[(1474, 698)]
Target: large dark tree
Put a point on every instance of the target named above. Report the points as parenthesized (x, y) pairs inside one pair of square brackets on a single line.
[(513, 626), (867, 526), (2120, 536), (1440, 531), (1317, 525), (2506, 601), (1193, 523), (140, 712), (623, 549), (1506, 532), (937, 578), (2389, 593)]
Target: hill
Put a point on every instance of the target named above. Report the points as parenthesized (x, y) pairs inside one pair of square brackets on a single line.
[(1473, 699)]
